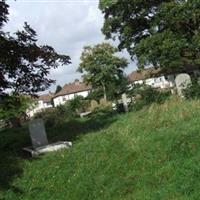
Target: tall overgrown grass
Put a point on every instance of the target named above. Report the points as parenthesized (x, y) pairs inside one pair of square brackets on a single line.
[(149, 154)]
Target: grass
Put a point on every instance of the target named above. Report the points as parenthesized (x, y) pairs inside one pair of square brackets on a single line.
[(150, 154)]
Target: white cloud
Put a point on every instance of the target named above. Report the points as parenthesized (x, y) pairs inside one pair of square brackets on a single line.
[(64, 24)]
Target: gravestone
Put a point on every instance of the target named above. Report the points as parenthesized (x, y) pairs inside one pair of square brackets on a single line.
[(38, 133), (39, 140), (125, 102), (103, 102), (182, 81), (94, 104)]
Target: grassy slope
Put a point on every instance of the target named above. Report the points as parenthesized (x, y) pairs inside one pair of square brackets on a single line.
[(151, 154)]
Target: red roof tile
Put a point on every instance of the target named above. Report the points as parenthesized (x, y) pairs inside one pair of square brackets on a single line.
[(143, 74), (71, 88), (46, 97)]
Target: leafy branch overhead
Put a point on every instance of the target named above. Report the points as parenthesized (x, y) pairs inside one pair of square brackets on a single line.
[(162, 33), (101, 66), (25, 65)]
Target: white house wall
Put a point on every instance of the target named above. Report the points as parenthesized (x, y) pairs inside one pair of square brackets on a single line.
[(63, 99), (40, 105), (158, 82)]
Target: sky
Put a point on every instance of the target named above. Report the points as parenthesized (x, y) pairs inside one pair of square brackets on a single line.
[(66, 25)]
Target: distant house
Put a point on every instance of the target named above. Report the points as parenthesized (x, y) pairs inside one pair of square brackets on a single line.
[(69, 91), (152, 78), (157, 79), (43, 102)]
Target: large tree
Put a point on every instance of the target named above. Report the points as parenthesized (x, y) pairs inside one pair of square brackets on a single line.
[(24, 65), (102, 67), (160, 33)]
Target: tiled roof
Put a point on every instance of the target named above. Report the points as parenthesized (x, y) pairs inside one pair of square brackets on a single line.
[(143, 74), (156, 72), (46, 97), (71, 88)]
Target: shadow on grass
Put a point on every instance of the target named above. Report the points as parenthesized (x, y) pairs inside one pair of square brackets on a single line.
[(72, 129), (13, 140)]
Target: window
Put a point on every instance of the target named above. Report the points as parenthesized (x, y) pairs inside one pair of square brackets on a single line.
[(48, 103), (157, 80)]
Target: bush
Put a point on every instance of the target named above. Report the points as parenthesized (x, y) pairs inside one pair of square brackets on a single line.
[(77, 105), (193, 90), (51, 116), (70, 110), (102, 111), (96, 95), (145, 95)]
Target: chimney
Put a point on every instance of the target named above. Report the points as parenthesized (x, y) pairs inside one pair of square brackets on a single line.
[(50, 93), (76, 82)]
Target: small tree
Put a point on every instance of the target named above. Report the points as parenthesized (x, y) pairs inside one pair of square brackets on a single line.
[(58, 89), (76, 105), (13, 107), (101, 67)]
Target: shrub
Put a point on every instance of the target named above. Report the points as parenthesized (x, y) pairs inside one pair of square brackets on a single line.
[(96, 95), (193, 90), (51, 116), (77, 105), (102, 111), (70, 110), (13, 108), (145, 95)]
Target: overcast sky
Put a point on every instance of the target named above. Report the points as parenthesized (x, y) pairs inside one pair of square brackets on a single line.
[(66, 25)]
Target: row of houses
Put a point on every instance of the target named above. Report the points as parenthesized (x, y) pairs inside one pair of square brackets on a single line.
[(157, 79), (68, 92), (71, 90), (151, 77)]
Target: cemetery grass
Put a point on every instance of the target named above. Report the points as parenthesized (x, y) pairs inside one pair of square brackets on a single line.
[(149, 154)]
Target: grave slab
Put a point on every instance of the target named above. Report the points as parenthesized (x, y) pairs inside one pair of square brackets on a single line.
[(39, 140)]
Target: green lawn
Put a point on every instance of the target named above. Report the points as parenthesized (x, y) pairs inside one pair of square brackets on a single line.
[(150, 154)]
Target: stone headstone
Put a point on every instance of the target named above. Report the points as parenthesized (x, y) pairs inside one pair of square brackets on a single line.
[(94, 104), (38, 133), (125, 102), (103, 102), (182, 81)]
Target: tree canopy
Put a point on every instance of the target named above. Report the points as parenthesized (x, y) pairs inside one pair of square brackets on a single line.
[(101, 67), (160, 33), (13, 106), (25, 65)]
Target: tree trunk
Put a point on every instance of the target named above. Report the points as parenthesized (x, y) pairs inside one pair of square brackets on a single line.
[(104, 92), (15, 122)]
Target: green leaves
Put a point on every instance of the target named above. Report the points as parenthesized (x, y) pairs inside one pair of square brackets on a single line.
[(160, 33), (162, 49), (25, 65), (101, 67), (14, 105)]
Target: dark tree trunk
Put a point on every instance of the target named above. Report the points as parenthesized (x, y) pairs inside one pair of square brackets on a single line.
[(15, 122)]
